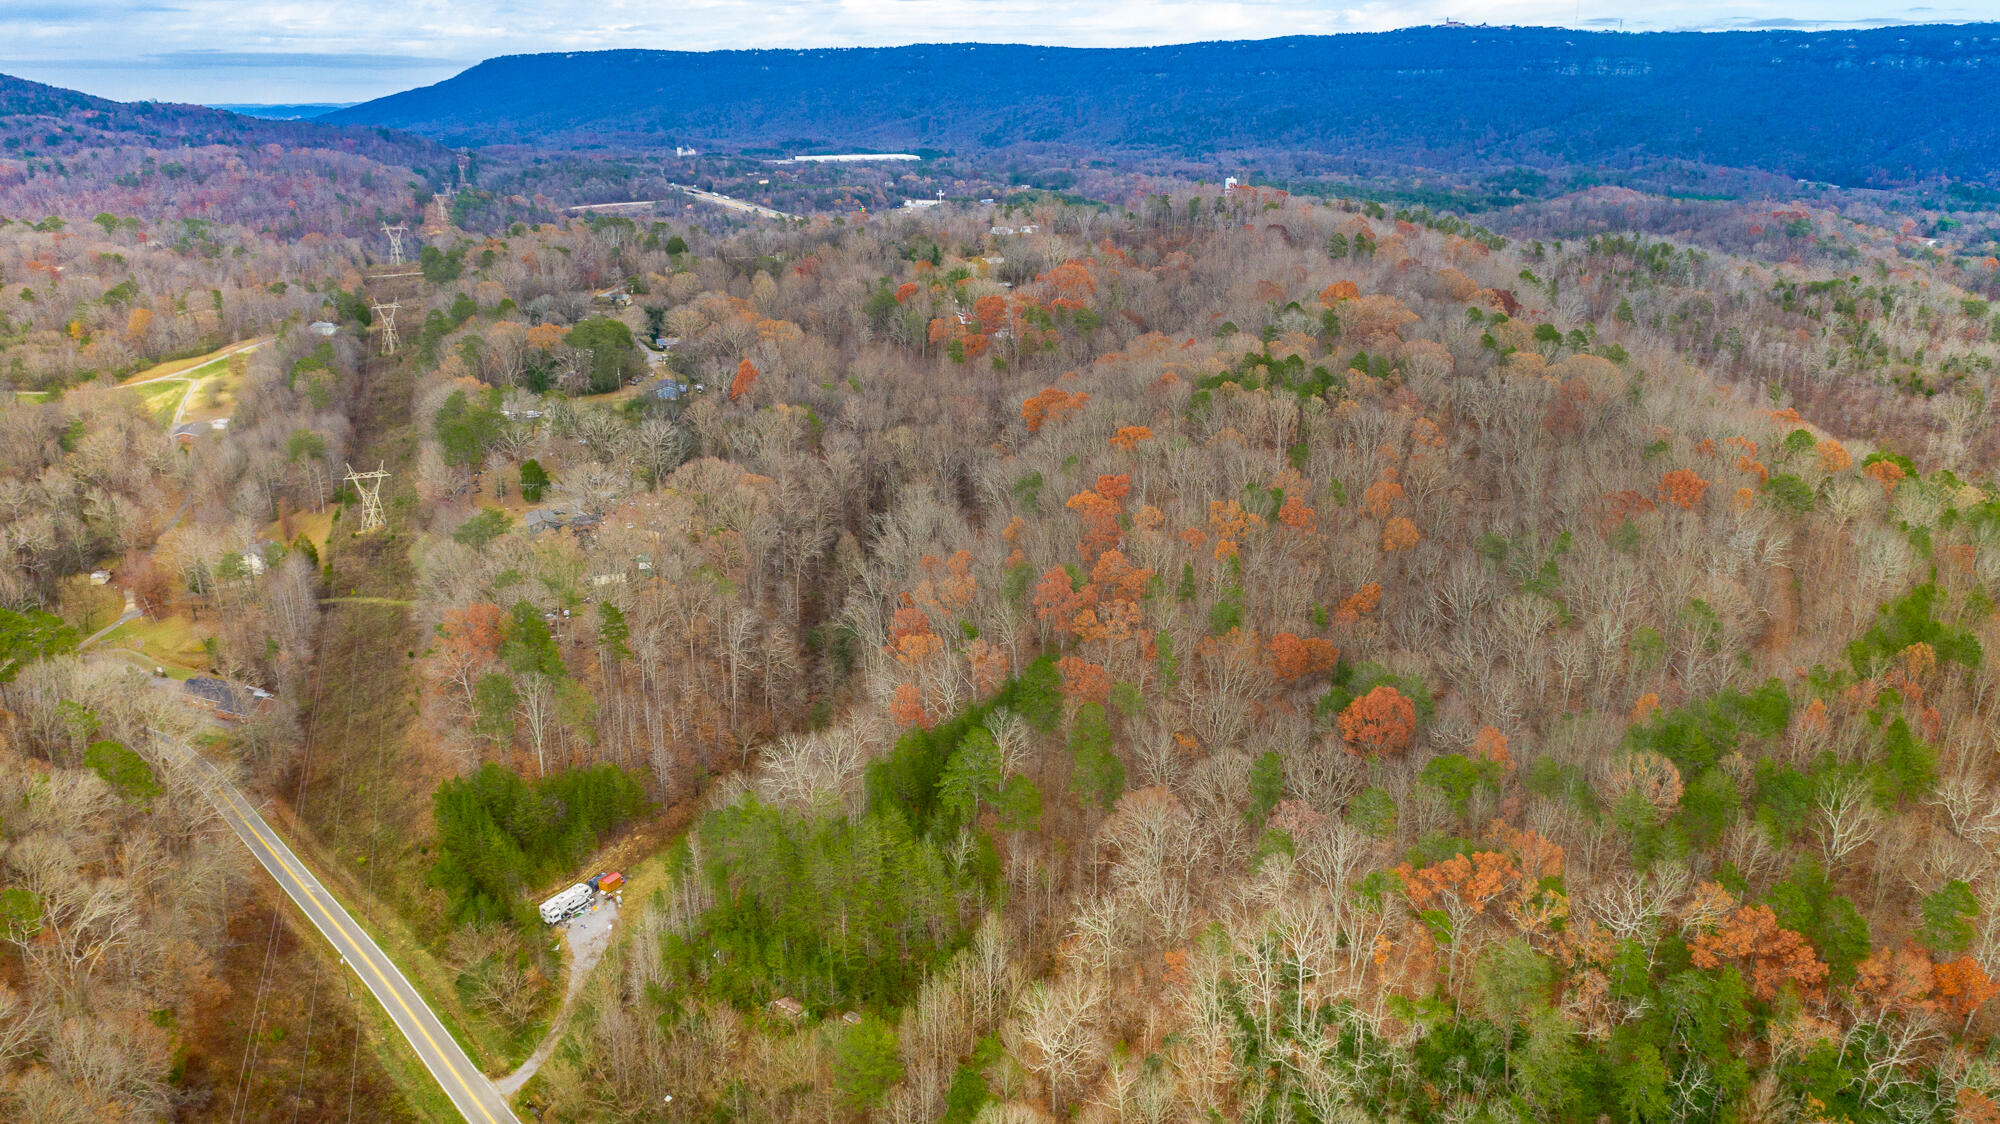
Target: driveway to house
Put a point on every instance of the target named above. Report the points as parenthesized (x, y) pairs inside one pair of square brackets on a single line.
[(131, 613), (588, 935)]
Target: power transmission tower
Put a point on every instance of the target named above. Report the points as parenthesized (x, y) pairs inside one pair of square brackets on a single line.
[(464, 165), (386, 313), (369, 485), (395, 234)]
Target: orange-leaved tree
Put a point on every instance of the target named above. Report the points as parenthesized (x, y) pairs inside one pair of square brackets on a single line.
[(1057, 603), (1100, 508), (1682, 488), (907, 709), (1461, 887), (1896, 980), (1770, 955), (1362, 602), (1130, 437), (1084, 681), (746, 376), (1383, 495), (1491, 745), (990, 310), (1295, 513), (1050, 404), (1293, 656), (1963, 986), (1399, 534), (1339, 291), (1381, 721), (1887, 473), (911, 640)]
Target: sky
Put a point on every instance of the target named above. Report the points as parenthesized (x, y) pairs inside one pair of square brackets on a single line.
[(300, 51)]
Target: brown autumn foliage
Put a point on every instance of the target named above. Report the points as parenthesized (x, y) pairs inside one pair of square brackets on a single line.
[(746, 377), (1294, 657), (1051, 404), (891, 534), (1379, 722), (1682, 488), (1771, 957)]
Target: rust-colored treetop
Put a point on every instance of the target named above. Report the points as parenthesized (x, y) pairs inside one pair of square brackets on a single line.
[(1380, 722)]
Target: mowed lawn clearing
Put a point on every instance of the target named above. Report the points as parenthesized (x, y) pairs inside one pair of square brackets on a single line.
[(207, 383), (174, 643), (314, 525), (162, 398)]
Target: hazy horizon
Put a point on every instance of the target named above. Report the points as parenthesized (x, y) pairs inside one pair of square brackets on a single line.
[(291, 53)]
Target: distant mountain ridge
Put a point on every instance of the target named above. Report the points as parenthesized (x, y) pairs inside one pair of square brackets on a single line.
[(281, 111), (1880, 107), (49, 121)]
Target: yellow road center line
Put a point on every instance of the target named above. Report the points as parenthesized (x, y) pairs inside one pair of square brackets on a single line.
[(254, 824)]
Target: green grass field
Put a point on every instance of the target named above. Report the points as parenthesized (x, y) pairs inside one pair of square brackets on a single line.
[(174, 643)]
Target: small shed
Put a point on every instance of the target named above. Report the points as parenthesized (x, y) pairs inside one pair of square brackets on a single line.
[(787, 1006)]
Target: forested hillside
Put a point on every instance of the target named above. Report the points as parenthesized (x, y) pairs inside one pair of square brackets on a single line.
[(48, 121), (137, 232), (1210, 655), (1441, 98), (1246, 656)]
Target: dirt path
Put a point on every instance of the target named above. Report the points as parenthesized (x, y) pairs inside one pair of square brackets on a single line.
[(1782, 615), (587, 936), (131, 613)]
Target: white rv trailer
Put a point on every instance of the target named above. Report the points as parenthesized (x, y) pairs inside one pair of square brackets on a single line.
[(566, 905)]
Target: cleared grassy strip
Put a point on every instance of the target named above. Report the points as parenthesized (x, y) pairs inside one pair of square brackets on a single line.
[(194, 363)]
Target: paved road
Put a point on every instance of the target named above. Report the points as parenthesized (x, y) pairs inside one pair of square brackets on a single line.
[(613, 208), (469, 1089), (719, 200), (734, 203)]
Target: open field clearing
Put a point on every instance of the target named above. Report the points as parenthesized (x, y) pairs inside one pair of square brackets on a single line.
[(175, 643), (200, 389)]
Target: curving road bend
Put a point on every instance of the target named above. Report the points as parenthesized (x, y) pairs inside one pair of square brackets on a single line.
[(470, 1090)]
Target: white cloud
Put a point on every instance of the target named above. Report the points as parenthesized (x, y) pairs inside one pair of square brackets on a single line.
[(311, 50)]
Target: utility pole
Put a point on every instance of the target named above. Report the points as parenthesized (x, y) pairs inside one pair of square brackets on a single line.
[(369, 485), (395, 234), (386, 313)]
